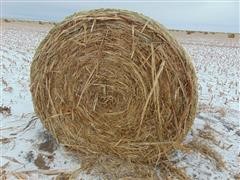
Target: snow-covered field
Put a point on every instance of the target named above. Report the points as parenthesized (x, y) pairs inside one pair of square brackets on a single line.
[(29, 152)]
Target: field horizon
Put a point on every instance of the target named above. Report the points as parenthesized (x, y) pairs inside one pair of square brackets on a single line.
[(44, 22)]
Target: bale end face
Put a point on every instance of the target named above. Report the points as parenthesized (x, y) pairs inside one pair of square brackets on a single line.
[(114, 82)]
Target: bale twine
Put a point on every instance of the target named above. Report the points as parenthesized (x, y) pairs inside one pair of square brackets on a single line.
[(114, 82)]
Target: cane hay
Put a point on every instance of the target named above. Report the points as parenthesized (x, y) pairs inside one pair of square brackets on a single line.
[(114, 82)]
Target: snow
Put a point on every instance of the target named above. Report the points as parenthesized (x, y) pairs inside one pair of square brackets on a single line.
[(216, 59)]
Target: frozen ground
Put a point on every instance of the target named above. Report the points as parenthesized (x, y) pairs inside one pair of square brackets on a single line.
[(28, 152)]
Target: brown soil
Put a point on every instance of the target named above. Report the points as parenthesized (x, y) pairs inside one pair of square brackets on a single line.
[(5, 110), (40, 162), (49, 144)]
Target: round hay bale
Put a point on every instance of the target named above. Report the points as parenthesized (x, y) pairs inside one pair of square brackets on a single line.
[(114, 82)]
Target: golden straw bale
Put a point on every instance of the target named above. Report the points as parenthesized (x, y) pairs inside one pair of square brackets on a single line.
[(114, 82)]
